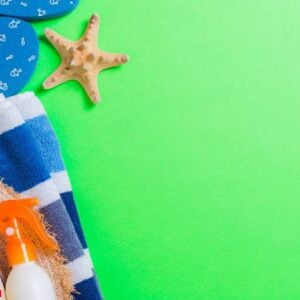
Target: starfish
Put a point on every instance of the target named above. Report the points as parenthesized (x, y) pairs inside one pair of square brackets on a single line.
[(82, 60)]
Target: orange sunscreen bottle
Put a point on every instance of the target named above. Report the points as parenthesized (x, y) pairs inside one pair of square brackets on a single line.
[(27, 280)]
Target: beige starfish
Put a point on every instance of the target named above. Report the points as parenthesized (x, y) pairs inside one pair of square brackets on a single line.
[(82, 60)]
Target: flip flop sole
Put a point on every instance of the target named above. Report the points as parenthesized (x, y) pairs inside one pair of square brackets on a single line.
[(19, 51), (36, 9)]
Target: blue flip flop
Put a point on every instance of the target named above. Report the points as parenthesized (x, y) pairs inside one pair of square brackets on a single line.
[(19, 51), (36, 9)]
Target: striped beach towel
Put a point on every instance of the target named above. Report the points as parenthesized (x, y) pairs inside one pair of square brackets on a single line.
[(31, 163)]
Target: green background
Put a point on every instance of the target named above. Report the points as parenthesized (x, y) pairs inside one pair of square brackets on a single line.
[(187, 175)]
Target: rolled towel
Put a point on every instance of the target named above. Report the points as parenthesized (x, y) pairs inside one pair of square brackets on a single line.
[(31, 163)]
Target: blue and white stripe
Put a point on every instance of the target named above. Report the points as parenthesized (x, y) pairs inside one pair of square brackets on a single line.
[(31, 163)]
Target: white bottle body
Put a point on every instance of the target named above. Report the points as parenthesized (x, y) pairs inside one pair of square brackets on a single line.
[(29, 281)]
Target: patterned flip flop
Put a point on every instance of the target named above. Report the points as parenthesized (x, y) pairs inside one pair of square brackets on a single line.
[(36, 9), (19, 51)]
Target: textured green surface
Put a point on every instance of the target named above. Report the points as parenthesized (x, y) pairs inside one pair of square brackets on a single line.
[(187, 175)]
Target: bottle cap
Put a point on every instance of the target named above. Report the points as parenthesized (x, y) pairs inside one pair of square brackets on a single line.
[(19, 247)]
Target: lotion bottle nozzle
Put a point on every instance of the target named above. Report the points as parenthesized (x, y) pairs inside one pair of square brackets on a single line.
[(19, 247)]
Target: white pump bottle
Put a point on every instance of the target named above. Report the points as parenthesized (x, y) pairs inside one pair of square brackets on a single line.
[(27, 280)]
